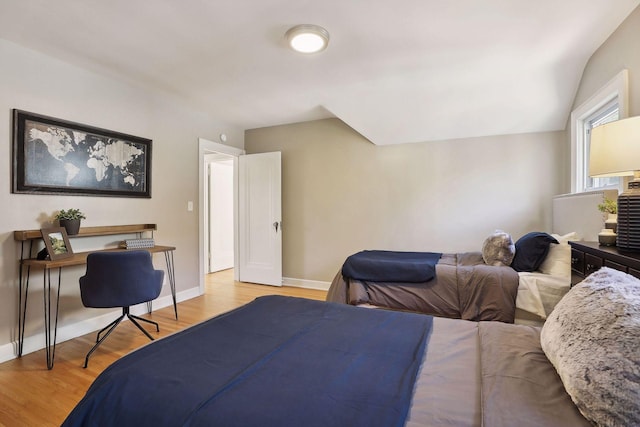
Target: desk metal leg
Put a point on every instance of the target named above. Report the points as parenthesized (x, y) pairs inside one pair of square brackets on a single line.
[(168, 256), (23, 286), (49, 342)]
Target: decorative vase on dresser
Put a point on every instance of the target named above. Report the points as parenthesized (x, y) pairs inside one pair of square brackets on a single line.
[(607, 237), (612, 222)]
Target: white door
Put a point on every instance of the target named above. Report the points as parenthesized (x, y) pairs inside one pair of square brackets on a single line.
[(260, 217)]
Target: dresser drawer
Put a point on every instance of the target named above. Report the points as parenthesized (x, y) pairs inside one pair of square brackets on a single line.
[(592, 263), (615, 265), (577, 261)]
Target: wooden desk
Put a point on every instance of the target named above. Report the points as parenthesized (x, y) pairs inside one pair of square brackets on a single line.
[(27, 262)]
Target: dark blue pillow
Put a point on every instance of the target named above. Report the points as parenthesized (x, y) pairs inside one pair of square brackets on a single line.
[(531, 250)]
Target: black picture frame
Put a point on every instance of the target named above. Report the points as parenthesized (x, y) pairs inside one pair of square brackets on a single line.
[(54, 156), (57, 243)]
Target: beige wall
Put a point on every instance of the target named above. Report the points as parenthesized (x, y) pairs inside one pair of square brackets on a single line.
[(34, 82), (620, 51), (342, 194)]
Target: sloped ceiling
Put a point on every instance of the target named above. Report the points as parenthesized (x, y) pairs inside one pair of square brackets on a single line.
[(396, 71)]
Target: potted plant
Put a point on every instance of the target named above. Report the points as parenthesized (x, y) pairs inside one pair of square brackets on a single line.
[(609, 206), (70, 220)]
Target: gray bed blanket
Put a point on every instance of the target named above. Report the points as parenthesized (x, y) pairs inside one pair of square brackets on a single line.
[(489, 374), (464, 288)]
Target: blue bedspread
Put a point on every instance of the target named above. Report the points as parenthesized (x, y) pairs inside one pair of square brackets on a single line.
[(390, 266), (278, 361)]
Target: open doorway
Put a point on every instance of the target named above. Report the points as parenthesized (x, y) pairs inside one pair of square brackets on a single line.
[(257, 183), (207, 152), (219, 215)]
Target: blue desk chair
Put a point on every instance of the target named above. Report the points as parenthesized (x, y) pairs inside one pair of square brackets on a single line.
[(119, 279)]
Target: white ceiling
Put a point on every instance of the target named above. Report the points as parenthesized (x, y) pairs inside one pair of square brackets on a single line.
[(396, 71)]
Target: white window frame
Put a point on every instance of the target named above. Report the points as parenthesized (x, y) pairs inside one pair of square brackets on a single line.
[(616, 88), (601, 116)]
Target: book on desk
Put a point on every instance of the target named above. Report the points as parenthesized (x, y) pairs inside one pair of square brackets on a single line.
[(137, 243)]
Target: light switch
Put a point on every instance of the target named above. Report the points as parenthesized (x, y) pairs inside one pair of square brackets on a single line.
[(190, 206)]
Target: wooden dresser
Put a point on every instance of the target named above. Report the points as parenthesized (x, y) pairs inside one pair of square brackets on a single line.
[(587, 257)]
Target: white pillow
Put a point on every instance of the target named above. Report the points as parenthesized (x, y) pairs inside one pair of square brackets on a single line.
[(592, 339), (558, 260)]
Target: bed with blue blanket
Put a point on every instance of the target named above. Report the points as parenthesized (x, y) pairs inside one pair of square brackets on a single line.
[(459, 286), (283, 361)]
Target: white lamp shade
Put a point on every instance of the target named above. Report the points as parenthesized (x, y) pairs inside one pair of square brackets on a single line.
[(615, 148)]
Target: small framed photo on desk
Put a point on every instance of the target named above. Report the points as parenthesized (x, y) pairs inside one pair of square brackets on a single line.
[(57, 243)]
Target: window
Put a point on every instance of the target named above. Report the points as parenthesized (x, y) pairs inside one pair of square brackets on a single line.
[(608, 104), (608, 113)]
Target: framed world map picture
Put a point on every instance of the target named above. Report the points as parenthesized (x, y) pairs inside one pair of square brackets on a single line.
[(53, 156)]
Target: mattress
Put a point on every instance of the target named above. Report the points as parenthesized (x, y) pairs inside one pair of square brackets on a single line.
[(468, 373), (537, 294), (464, 288)]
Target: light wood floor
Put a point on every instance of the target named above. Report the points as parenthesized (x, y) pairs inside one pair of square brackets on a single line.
[(31, 395)]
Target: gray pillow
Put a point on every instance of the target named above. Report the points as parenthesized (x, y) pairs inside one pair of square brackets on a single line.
[(498, 249), (592, 338)]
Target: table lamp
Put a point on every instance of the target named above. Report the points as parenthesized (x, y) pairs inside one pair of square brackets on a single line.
[(615, 151)]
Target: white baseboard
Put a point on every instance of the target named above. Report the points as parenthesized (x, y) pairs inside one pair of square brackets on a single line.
[(37, 342), (307, 284)]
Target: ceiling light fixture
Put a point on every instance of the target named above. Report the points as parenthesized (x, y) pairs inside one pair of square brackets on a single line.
[(307, 38)]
